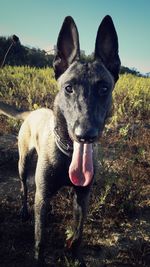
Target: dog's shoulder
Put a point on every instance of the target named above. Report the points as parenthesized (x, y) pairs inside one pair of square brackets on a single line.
[(38, 121), (42, 115)]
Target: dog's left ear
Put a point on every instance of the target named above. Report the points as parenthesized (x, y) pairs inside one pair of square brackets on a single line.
[(106, 47), (68, 48)]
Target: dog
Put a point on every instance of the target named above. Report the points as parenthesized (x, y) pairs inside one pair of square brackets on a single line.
[(64, 138)]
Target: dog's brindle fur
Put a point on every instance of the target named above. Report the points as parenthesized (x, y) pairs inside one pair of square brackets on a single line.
[(80, 109)]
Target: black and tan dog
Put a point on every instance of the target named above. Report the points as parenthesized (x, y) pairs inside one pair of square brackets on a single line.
[(64, 138)]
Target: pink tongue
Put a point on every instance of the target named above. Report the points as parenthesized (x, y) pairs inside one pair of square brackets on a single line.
[(81, 167)]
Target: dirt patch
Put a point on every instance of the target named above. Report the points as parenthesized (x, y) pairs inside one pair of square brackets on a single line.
[(8, 149)]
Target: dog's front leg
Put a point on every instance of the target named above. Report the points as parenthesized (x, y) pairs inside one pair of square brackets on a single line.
[(40, 214), (80, 204), (40, 209)]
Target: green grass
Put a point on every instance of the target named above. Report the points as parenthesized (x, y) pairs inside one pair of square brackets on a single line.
[(27, 87), (131, 99)]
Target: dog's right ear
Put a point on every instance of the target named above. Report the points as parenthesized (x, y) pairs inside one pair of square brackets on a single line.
[(68, 48)]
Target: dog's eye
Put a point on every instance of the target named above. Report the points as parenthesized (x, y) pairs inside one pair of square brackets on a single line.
[(103, 90), (68, 89)]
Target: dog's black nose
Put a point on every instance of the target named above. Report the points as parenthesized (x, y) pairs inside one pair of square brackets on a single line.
[(86, 136)]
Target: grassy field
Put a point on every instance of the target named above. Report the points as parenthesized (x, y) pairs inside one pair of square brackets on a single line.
[(117, 232)]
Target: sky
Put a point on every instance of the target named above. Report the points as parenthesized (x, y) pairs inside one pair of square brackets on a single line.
[(37, 24)]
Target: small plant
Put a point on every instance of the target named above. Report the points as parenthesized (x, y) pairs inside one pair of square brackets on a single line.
[(69, 237), (124, 131), (70, 263), (67, 262), (104, 195)]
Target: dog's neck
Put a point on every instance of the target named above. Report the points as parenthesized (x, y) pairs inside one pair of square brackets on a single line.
[(62, 138), (65, 147)]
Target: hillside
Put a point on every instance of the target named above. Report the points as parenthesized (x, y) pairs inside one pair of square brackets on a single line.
[(13, 53)]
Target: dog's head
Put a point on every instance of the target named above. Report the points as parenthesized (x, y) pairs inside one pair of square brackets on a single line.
[(85, 93), (86, 88)]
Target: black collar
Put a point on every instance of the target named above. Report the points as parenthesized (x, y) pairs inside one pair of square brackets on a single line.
[(67, 148)]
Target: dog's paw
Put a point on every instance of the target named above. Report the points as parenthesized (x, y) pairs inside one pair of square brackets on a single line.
[(74, 259), (39, 262)]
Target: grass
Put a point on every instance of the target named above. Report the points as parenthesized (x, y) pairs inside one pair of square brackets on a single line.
[(27, 87)]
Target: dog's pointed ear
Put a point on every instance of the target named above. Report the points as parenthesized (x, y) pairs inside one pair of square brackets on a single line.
[(68, 48), (106, 47)]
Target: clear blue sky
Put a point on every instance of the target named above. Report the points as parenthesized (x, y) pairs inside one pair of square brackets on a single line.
[(37, 23)]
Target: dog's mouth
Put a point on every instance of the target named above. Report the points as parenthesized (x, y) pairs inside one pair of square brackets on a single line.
[(81, 168)]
